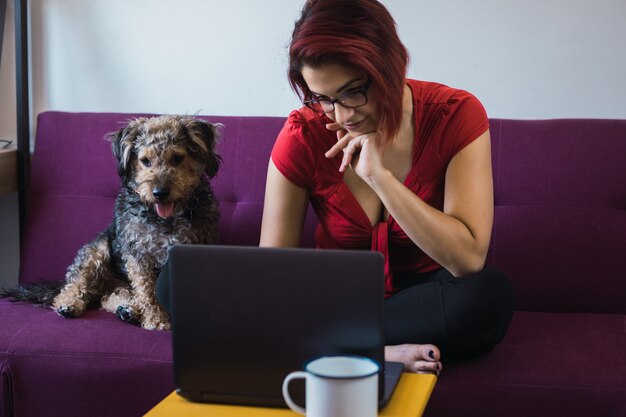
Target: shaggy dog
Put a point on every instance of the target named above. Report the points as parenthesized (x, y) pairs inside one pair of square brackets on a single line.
[(165, 199)]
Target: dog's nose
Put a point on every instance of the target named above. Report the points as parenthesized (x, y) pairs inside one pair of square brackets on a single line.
[(161, 193)]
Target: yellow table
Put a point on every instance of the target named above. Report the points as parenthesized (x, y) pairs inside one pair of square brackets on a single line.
[(409, 400)]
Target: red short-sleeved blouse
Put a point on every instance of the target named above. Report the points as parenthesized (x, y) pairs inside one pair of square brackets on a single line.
[(446, 120)]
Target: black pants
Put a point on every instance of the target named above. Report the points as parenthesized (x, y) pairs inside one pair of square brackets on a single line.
[(463, 317)]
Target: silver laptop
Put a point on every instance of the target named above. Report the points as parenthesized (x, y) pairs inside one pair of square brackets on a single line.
[(245, 317)]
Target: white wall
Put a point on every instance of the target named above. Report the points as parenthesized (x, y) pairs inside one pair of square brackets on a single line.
[(187, 56), (531, 59)]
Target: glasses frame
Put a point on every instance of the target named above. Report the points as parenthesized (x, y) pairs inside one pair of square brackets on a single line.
[(311, 103)]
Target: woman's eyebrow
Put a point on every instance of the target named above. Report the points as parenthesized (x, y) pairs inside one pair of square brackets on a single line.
[(340, 89)]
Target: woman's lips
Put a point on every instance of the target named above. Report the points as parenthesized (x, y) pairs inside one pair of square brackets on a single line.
[(354, 125)]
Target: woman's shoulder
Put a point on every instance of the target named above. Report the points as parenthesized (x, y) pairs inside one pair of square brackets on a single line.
[(429, 92), (306, 127), (300, 144), (449, 117), (306, 118), (436, 102)]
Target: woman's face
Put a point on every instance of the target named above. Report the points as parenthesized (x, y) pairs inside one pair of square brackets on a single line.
[(329, 81)]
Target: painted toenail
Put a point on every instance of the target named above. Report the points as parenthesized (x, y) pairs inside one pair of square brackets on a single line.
[(431, 354)]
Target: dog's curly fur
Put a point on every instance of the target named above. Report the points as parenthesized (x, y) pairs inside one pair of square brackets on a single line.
[(164, 163)]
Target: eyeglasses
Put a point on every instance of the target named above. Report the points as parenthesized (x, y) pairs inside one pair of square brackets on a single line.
[(350, 99)]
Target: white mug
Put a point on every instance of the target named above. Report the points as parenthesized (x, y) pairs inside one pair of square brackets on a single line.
[(337, 386)]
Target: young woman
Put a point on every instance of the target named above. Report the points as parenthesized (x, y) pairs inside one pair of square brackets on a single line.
[(394, 165)]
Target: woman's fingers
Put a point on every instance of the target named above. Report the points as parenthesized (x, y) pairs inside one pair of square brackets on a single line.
[(343, 139), (334, 126), (348, 153), (351, 147)]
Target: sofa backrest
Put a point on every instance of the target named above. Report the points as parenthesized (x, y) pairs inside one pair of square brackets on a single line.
[(560, 192), (74, 183), (560, 216)]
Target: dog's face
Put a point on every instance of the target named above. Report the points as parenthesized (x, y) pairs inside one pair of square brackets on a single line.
[(164, 159)]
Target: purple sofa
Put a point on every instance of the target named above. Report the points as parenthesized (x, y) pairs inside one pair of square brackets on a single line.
[(559, 235)]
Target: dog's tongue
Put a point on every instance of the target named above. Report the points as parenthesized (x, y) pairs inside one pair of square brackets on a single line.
[(165, 210)]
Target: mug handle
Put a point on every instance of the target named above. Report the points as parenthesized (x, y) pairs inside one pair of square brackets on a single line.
[(294, 375)]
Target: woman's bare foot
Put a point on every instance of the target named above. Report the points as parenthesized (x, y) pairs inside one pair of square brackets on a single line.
[(416, 358)]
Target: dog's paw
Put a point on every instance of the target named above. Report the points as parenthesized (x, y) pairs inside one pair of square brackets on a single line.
[(66, 311), (155, 321), (68, 306), (126, 314), (156, 325)]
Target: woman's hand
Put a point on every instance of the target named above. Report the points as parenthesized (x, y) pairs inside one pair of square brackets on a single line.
[(361, 152)]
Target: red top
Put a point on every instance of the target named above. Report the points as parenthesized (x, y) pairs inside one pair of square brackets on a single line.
[(446, 120)]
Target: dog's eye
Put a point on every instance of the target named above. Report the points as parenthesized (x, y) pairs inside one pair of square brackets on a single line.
[(177, 159), (145, 161)]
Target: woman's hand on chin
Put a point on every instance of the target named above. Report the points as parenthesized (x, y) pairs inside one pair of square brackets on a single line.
[(361, 152)]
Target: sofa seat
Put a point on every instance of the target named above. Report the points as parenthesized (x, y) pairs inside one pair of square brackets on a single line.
[(51, 366), (556, 364), (549, 364)]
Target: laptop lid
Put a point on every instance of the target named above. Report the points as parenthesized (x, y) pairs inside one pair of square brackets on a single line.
[(245, 317)]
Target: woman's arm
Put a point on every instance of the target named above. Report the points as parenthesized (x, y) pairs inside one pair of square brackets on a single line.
[(284, 210), (457, 237)]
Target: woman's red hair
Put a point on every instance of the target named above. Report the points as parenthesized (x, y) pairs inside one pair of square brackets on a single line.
[(360, 34)]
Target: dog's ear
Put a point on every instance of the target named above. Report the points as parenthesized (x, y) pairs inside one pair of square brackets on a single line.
[(122, 144), (204, 136)]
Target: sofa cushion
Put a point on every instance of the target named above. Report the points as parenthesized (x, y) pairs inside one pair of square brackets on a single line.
[(240, 183), (549, 364), (560, 217), (72, 191), (548, 176), (53, 366), (74, 183)]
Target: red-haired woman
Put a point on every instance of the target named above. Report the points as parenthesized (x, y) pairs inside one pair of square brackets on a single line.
[(394, 165)]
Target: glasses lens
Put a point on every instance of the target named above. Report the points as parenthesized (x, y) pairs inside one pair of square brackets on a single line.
[(350, 100), (313, 105), (320, 106), (353, 99), (326, 105)]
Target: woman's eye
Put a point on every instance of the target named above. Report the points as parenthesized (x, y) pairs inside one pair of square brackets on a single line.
[(145, 161), (352, 92)]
